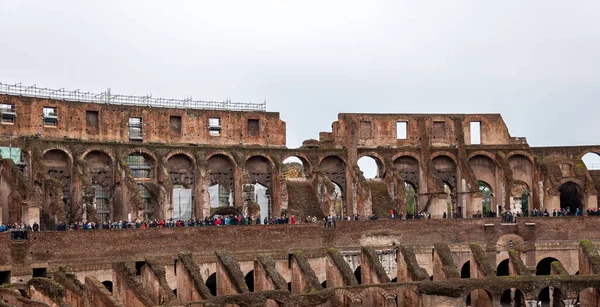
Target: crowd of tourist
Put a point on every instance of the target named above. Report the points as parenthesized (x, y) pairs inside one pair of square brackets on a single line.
[(238, 220)]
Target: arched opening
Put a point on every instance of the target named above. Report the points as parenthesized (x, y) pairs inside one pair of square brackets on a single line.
[(486, 199), (465, 271), (503, 269), (591, 161), (446, 172), (371, 167), (100, 168), (551, 296), (211, 283), (108, 285), (571, 197), (357, 275), (324, 284), (295, 167), (412, 201), (221, 184), (335, 170), (181, 173), (544, 267), (512, 298), (260, 173), (57, 189), (141, 166), (250, 280), (479, 298)]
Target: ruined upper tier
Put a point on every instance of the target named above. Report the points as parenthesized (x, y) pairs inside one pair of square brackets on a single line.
[(57, 119)]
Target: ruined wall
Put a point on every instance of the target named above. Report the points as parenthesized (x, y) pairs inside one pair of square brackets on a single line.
[(160, 125)]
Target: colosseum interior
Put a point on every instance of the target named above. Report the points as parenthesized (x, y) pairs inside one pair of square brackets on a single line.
[(103, 158)]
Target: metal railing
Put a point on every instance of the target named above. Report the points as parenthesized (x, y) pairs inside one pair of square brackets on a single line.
[(109, 98)]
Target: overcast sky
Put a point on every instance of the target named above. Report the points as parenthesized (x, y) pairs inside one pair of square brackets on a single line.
[(535, 62)]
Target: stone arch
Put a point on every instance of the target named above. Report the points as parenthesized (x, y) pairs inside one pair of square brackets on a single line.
[(406, 153), (479, 298), (260, 170), (225, 154), (59, 167), (446, 168), (550, 295), (221, 180), (101, 170), (306, 166), (260, 191), (525, 154), (522, 168), (543, 267), (335, 169), (181, 168), (410, 168), (101, 149), (141, 150), (379, 161), (593, 150), (513, 297), (503, 268), (142, 165), (571, 196), (249, 278)]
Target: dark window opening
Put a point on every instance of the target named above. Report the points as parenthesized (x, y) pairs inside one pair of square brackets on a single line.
[(50, 115), (250, 280), (40, 272), (465, 271), (8, 113), (108, 285), (253, 127), (357, 275), (4, 277), (91, 121), (211, 283), (175, 124), (138, 267)]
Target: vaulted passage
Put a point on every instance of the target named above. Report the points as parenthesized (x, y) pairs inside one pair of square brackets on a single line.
[(101, 172), (181, 172), (571, 196), (221, 183)]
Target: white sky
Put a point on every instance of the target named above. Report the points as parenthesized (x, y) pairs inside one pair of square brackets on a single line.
[(535, 62)]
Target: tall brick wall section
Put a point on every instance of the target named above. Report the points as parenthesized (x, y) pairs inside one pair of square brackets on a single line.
[(113, 123), (50, 247)]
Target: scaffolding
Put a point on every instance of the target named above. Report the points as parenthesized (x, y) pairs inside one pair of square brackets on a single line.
[(108, 98)]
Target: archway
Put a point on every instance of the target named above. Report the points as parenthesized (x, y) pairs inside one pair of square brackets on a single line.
[(58, 166), (211, 283), (465, 271), (221, 181), (108, 285), (551, 297), (544, 267), (571, 197), (181, 172), (295, 167), (259, 185), (250, 280), (512, 298), (591, 161), (371, 167), (479, 298), (446, 170), (99, 165), (486, 199), (335, 170), (503, 269)]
